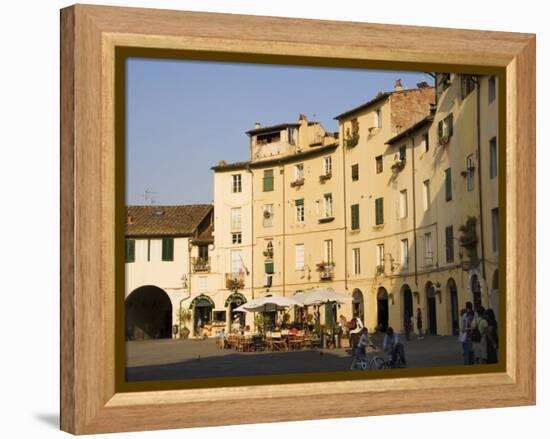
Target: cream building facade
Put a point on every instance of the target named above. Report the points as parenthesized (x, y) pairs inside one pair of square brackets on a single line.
[(399, 209)]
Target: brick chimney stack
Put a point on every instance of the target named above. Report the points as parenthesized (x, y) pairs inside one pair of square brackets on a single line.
[(398, 85), (303, 118)]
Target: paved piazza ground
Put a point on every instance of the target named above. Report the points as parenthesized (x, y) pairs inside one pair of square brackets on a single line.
[(186, 359)]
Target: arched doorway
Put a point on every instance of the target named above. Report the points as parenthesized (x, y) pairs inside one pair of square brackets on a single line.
[(148, 314), (383, 309), (234, 301), (494, 292), (432, 308), (407, 295), (358, 305), (453, 306), (202, 311), (476, 291)]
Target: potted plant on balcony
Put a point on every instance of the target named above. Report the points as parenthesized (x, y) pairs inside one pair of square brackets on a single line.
[(398, 166), (325, 177), (352, 140), (469, 239)]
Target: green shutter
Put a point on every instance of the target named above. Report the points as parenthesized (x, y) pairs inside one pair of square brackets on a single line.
[(268, 180), (167, 249), (450, 122), (355, 217), (448, 185), (402, 152), (440, 129), (379, 208), (269, 267), (130, 250), (299, 202)]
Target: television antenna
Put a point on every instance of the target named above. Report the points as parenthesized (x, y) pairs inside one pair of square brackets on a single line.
[(149, 196)]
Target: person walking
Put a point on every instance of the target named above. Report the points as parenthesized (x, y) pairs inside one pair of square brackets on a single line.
[(355, 326), (395, 347), (465, 337), (479, 337), (492, 337), (419, 324)]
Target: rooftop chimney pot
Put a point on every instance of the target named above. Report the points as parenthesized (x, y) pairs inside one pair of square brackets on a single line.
[(303, 117), (398, 85), (257, 125)]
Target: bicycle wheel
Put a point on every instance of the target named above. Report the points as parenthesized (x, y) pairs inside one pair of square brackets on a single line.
[(363, 365), (378, 363)]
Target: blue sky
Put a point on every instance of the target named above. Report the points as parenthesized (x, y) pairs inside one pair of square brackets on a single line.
[(185, 116)]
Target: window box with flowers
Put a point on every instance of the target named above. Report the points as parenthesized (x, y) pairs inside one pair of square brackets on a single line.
[(325, 177), (297, 183), (325, 270)]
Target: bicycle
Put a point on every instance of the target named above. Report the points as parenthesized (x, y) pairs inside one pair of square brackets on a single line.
[(367, 362)]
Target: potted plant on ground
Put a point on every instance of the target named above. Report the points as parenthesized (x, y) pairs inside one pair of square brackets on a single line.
[(185, 317)]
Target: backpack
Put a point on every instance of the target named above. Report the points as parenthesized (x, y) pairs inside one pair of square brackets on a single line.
[(352, 324), (476, 333)]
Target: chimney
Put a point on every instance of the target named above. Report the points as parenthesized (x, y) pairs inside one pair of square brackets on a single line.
[(129, 219), (398, 86), (379, 94), (302, 118), (257, 125), (221, 163), (422, 84), (432, 109)]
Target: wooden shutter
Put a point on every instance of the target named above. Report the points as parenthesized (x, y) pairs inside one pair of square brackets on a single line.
[(450, 124), (167, 249), (130, 250), (448, 185), (269, 267), (440, 129), (379, 206), (355, 217), (268, 180), (449, 243)]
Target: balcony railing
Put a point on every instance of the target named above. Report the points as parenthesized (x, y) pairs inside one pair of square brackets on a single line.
[(234, 281), (352, 140), (200, 264), (380, 269), (326, 270), (298, 182)]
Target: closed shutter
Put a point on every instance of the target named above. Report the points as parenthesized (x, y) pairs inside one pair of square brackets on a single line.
[(130, 250), (379, 206), (299, 256), (448, 185), (167, 249), (268, 180), (269, 267), (449, 243), (450, 124), (355, 217)]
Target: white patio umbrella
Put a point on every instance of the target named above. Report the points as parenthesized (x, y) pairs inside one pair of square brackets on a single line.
[(320, 296), (270, 302)]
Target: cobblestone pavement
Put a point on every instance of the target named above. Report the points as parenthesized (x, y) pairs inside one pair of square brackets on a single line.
[(187, 359)]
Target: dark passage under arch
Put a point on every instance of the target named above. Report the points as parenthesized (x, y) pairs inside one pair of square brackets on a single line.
[(148, 314)]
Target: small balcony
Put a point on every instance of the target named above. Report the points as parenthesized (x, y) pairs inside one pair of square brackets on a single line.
[(324, 177), (298, 182), (200, 265), (380, 269), (234, 281), (352, 140), (326, 270)]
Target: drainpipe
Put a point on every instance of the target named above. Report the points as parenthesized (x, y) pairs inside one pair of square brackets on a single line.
[(340, 142), (252, 237), (414, 215), (284, 226), (478, 123)]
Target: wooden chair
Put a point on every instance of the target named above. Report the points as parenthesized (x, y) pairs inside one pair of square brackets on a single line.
[(295, 342)]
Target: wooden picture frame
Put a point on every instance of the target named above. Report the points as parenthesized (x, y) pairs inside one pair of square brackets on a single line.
[(90, 35)]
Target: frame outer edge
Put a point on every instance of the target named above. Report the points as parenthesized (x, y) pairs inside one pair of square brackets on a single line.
[(67, 229)]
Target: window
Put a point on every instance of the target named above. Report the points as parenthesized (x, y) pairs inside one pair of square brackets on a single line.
[(494, 222), (148, 250), (236, 262), (269, 266), (379, 164), (404, 253), (470, 173), (445, 129), (237, 183), (468, 84), (327, 165), (426, 194), (356, 261), (449, 244), (291, 131), (268, 180), (264, 139), (354, 126), (403, 208), (380, 256), (493, 158), (378, 118), (426, 142), (236, 218), (203, 251), (237, 238), (268, 215), (328, 205), (379, 211), (402, 152), (130, 250), (329, 255), (428, 256), (355, 217), (492, 88), (202, 283), (268, 253), (300, 213), (448, 185), (167, 249), (299, 252), (299, 171), (355, 172)]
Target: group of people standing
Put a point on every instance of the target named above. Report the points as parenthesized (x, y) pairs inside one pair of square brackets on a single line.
[(478, 335)]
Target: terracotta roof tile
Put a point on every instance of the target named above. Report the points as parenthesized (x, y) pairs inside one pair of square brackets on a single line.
[(154, 220)]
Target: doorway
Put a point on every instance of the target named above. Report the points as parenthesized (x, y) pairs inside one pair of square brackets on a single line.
[(432, 308), (148, 314), (453, 305), (383, 309)]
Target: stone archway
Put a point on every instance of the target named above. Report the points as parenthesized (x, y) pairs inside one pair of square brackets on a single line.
[(148, 314), (234, 301), (383, 309), (432, 308), (358, 305), (202, 307)]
